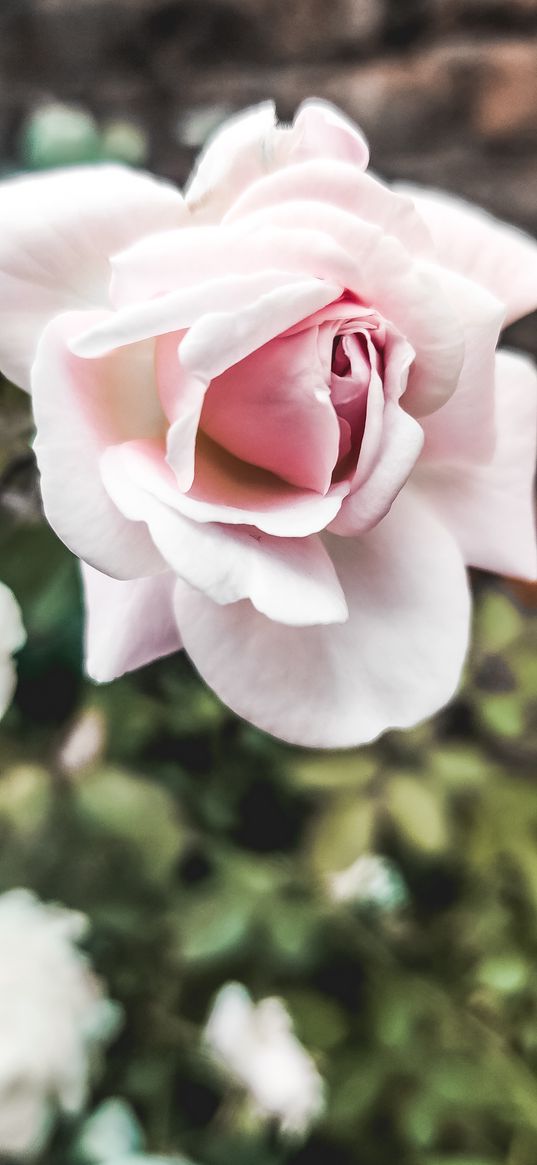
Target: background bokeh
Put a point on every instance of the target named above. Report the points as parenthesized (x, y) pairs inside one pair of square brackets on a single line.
[(202, 850)]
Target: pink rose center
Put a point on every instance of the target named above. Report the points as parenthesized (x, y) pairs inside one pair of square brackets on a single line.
[(298, 406)]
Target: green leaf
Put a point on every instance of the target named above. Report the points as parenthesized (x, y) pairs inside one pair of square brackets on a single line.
[(140, 812), (497, 622), (418, 811), (343, 831), (212, 925), (335, 770), (319, 1021), (25, 798)]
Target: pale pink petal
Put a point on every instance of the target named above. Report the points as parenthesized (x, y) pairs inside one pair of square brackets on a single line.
[(235, 155), (273, 409), (74, 407), (288, 579), (396, 661), (226, 490), (391, 444), (251, 144), (320, 130), (402, 441), (128, 623), (257, 294), (464, 428), (58, 231), (489, 508), (342, 185), (500, 257)]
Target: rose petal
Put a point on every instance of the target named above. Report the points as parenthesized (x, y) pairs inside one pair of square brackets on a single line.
[(226, 490), (288, 579), (489, 508), (397, 660), (500, 257), (273, 409), (72, 408), (128, 623), (464, 428), (320, 130), (58, 231), (391, 444)]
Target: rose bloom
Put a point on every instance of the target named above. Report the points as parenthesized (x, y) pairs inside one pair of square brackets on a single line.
[(256, 1045), (12, 638), (271, 420), (53, 1019)]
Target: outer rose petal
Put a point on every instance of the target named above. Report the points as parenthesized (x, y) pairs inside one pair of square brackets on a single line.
[(57, 234), (128, 623), (489, 508), (396, 660), (494, 254), (291, 580), (68, 401), (465, 428), (320, 130), (251, 144)]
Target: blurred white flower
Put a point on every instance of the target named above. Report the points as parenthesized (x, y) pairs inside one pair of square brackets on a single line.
[(12, 637), (53, 1017), (371, 879), (256, 1044)]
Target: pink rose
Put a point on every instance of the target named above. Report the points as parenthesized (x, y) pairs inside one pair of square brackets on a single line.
[(271, 420)]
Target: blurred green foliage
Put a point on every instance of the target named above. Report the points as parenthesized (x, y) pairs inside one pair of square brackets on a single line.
[(203, 851)]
